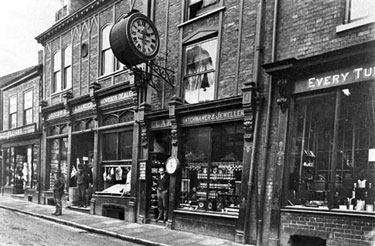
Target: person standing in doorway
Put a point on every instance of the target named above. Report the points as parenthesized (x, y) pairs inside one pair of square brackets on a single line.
[(163, 186), (82, 183), (58, 191)]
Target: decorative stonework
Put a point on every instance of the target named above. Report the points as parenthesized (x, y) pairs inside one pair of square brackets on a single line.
[(283, 99)]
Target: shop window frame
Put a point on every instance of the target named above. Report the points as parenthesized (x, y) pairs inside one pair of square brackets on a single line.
[(342, 152), (212, 184)]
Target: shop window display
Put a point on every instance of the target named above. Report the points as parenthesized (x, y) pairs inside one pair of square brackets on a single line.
[(116, 160), (211, 176), (58, 158), (333, 146), (20, 170)]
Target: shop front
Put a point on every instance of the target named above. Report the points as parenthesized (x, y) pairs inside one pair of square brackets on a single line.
[(20, 154), (329, 169), (204, 193), (116, 156)]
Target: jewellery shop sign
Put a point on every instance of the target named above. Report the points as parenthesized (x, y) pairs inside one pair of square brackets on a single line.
[(213, 117), (336, 78)]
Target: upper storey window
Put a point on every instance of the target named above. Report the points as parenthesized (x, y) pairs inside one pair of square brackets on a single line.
[(198, 7), (62, 81), (28, 107), (12, 112), (107, 57), (360, 9), (199, 71)]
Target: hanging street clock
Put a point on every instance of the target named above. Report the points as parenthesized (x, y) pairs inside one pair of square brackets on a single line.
[(134, 39)]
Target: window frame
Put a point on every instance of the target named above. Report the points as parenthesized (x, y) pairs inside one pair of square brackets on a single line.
[(12, 112), (28, 108), (56, 73), (196, 8), (212, 36), (107, 58), (67, 67)]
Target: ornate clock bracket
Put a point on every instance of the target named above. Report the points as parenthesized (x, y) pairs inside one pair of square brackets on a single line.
[(153, 73)]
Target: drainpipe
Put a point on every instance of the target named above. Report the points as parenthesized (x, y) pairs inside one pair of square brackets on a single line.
[(257, 103), (267, 130)]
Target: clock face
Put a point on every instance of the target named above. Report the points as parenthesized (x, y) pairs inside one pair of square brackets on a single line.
[(171, 165), (144, 36)]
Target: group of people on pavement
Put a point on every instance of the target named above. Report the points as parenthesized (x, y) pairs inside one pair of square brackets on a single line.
[(83, 179)]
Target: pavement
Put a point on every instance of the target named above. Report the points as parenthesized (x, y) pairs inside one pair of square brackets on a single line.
[(143, 234)]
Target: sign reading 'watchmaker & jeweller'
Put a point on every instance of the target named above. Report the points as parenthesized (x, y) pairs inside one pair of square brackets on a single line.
[(212, 117), (336, 78)]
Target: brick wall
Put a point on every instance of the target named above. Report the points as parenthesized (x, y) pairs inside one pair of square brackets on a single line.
[(337, 229), (308, 28)]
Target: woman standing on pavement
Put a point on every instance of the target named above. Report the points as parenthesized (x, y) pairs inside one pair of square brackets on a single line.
[(58, 191)]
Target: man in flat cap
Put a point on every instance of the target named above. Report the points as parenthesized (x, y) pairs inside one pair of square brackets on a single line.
[(58, 191)]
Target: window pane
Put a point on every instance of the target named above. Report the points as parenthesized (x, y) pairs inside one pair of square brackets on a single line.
[(28, 116), (13, 120), (57, 61), (200, 88), (355, 172), (125, 144), (212, 181), (107, 61), (312, 135), (201, 57), (105, 38), (28, 99), (110, 146), (68, 77), (56, 82), (68, 56), (361, 9), (13, 105), (199, 81)]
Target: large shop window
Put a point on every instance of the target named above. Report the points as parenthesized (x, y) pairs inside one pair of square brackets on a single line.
[(20, 168), (211, 176), (117, 158), (333, 149), (199, 79), (58, 158)]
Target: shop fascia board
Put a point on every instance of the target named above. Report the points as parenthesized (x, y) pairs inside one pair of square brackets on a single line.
[(360, 53)]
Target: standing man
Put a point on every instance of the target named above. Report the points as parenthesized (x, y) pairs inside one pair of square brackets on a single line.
[(58, 191), (163, 185), (82, 182)]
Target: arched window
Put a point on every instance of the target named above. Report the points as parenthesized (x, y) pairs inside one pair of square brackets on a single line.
[(107, 58)]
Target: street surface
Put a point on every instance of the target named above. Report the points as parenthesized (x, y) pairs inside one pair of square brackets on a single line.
[(25, 230)]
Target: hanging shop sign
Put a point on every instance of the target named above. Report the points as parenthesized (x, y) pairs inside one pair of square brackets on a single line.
[(134, 39), (116, 98), (336, 78), (17, 132), (213, 117)]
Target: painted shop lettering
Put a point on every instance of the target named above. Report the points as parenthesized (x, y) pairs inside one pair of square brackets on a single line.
[(355, 75)]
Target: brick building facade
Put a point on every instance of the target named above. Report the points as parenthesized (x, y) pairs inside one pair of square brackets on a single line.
[(258, 110)]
